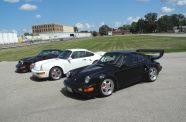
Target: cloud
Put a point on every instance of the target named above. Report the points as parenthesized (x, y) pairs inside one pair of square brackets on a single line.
[(132, 19), (142, 0), (167, 9), (88, 26), (33, 0), (79, 25), (177, 2), (101, 24), (84, 26), (12, 1), (184, 14), (181, 3), (28, 7), (38, 16), (117, 24)]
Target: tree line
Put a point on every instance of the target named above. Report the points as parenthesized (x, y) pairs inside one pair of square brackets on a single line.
[(151, 23)]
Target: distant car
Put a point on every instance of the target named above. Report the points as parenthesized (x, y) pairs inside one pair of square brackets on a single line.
[(113, 71), (68, 60), (24, 65)]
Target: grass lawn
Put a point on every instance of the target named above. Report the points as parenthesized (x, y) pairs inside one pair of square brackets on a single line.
[(132, 42)]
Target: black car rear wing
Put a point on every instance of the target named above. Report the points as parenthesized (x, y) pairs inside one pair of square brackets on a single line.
[(153, 57)]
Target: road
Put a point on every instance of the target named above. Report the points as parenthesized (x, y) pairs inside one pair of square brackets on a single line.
[(24, 99)]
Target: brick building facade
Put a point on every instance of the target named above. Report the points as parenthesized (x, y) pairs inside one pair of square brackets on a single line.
[(51, 28)]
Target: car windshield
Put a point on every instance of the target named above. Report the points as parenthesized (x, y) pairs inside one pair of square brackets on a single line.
[(65, 54), (44, 53), (112, 59)]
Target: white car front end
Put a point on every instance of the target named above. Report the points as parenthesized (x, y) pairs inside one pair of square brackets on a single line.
[(41, 69)]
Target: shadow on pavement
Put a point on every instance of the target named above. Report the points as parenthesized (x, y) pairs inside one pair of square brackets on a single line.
[(75, 95), (38, 79), (21, 72)]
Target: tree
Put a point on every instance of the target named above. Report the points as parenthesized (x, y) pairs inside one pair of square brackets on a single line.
[(94, 33), (84, 31), (164, 24), (140, 26), (151, 22), (104, 29), (133, 28), (125, 27), (27, 34), (75, 29)]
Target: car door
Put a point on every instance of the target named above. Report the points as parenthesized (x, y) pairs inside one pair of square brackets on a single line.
[(89, 58), (77, 60), (130, 72), (52, 54)]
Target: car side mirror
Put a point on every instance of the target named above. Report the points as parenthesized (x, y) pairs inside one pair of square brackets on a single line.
[(124, 66), (69, 59)]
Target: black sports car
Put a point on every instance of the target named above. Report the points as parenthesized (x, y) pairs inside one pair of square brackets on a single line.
[(113, 71), (24, 65)]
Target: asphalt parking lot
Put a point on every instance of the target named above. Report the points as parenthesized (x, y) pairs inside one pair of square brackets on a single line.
[(24, 99)]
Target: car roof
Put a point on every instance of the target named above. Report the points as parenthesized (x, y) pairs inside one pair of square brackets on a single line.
[(52, 50), (122, 52), (78, 49)]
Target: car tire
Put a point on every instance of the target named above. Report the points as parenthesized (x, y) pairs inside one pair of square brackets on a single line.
[(106, 87), (152, 74), (55, 73)]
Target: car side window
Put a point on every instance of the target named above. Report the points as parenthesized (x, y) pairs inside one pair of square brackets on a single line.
[(131, 59), (141, 58), (88, 54), (55, 52), (78, 54)]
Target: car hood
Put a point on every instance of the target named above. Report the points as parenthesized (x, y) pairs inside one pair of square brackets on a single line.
[(95, 70), (29, 59), (48, 62)]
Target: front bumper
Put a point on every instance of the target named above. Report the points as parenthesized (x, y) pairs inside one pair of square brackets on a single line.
[(40, 74), (21, 67), (87, 90)]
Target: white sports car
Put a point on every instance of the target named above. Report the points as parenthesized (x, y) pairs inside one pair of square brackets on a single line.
[(68, 60)]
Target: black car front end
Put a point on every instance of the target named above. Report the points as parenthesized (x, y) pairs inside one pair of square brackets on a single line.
[(22, 66), (87, 80), (78, 85)]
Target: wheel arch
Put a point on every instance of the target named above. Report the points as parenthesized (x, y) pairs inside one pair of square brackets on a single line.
[(59, 68)]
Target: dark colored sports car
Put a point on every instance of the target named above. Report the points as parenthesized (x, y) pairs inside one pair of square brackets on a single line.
[(114, 71), (24, 65)]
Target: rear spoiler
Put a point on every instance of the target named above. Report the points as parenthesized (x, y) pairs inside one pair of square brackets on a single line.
[(154, 57)]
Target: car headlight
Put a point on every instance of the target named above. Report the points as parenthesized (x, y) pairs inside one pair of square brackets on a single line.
[(21, 62), (68, 74), (87, 79)]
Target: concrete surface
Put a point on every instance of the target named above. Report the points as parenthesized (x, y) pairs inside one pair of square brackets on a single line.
[(23, 99)]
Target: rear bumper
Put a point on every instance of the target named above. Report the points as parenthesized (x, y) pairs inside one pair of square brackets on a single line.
[(159, 68), (40, 74)]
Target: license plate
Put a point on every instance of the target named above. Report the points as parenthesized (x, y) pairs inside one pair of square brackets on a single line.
[(69, 89)]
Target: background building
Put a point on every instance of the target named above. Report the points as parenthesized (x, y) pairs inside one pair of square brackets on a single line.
[(56, 36), (51, 28), (8, 37)]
